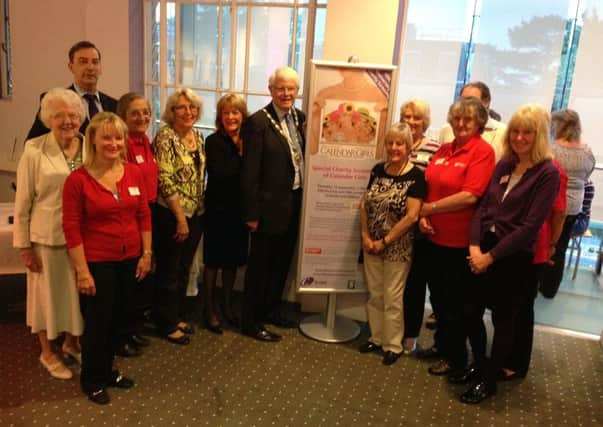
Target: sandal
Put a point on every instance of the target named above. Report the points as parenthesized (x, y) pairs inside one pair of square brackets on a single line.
[(441, 367)]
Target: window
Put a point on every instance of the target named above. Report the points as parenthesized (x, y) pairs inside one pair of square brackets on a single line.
[(219, 46), (6, 81)]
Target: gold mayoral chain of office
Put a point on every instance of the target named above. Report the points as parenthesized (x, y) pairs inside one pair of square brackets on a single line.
[(296, 153)]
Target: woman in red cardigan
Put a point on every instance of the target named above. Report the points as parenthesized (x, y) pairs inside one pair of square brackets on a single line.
[(107, 225)]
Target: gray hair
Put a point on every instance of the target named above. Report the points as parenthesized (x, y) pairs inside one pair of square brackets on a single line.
[(58, 95), (284, 73), (194, 99), (566, 125), (470, 106)]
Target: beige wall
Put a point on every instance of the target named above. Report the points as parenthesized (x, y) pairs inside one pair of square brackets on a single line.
[(42, 33)]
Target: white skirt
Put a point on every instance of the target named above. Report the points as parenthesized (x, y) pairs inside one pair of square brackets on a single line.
[(52, 298)]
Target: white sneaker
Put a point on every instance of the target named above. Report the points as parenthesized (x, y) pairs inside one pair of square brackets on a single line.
[(73, 353), (56, 368)]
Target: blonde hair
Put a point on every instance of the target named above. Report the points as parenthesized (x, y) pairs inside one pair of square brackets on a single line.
[(103, 121), (532, 117), (193, 98), (401, 130), (419, 106)]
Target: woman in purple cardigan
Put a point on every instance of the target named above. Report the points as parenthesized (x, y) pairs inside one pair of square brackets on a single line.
[(504, 229)]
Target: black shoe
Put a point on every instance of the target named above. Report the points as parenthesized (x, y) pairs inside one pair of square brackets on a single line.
[(281, 322), (477, 393), (216, 329), (119, 381), (127, 350), (232, 320), (368, 347), (181, 340), (264, 335), (428, 353), (390, 358), (139, 341), (463, 376), (100, 396)]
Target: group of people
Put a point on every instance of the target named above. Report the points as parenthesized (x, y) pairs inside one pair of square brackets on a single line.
[(98, 205), (482, 218)]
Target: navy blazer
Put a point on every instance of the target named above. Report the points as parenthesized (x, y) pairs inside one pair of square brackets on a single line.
[(38, 128), (267, 172)]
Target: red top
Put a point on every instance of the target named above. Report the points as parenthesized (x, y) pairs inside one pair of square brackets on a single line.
[(109, 229), (140, 153), (450, 171), (541, 248)]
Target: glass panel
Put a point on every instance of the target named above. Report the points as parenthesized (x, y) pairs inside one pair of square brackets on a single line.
[(208, 118), (270, 41), (517, 54), (152, 94), (198, 45), (435, 34), (171, 41), (255, 102), (225, 66), (241, 43), (319, 33)]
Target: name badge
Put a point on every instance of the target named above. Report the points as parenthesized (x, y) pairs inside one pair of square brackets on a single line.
[(134, 191), (440, 161), (504, 179), (459, 164), (139, 159)]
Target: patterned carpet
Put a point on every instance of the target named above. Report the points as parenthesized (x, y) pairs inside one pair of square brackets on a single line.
[(232, 380)]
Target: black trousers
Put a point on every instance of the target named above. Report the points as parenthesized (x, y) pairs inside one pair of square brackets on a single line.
[(114, 281), (173, 260), (504, 288), (267, 270), (518, 360), (553, 274), (416, 286), (447, 278)]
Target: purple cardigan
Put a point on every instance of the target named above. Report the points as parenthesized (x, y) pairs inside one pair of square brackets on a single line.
[(519, 217)]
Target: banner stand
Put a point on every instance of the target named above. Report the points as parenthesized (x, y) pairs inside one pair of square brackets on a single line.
[(328, 327)]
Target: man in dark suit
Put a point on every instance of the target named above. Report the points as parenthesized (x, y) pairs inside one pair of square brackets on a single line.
[(85, 65), (271, 179)]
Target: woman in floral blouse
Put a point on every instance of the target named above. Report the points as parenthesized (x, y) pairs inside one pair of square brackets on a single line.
[(388, 211), (177, 225)]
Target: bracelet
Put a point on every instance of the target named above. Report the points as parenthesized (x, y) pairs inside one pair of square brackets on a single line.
[(147, 253), (433, 207)]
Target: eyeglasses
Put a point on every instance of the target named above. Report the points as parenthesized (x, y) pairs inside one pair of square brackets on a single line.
[(64, 116), (181, 108), (139, 113)]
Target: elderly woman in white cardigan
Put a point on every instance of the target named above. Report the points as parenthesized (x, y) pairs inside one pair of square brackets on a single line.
[(52, 297)]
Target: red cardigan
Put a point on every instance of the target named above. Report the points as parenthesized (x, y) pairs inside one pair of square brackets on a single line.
[(140, 153), (108, 229)]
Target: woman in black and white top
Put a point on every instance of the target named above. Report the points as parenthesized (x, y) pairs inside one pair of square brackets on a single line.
[(388, 211)]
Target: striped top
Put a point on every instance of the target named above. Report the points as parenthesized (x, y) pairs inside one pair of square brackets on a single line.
[(421, 155), (578, 162)]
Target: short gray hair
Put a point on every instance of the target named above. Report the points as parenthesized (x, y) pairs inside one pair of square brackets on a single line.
[(56, 95), (470, 106), (284, 73), (194, 99)]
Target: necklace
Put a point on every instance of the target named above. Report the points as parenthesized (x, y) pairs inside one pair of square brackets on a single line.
[(400, 169), (279, 129), (76, 159)]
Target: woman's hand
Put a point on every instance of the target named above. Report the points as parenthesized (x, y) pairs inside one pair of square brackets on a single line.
[(143, 267), (478, 261), (427, 209), (85, 284), (425, 226), (367, 244), (182, 231), (30, 260)]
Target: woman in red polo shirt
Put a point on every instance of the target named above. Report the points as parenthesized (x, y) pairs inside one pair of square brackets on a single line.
[(107, 226), (456, 176)]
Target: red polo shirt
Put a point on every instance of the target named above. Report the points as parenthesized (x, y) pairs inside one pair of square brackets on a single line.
[(140, 153), (450, 171), (109, 229)]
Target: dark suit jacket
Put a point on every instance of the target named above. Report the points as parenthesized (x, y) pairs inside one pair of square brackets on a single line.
[(267, 172), (38, 128)]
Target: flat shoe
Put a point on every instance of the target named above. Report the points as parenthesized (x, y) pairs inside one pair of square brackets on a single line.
[(56, 369), (100, 396), (368, 347), (463, 376), (120, 381), (477, 393), (186, 328), (71, 352), (390, 358), (439, 368), (181, 340)]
